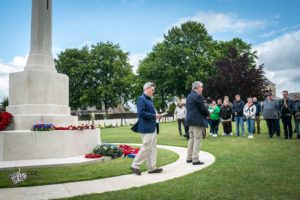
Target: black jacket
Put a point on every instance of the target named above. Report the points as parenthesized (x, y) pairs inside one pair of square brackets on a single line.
[(225, 112), (296, 107), (197, 112), (290, 107), (258, 108), (238, 106)]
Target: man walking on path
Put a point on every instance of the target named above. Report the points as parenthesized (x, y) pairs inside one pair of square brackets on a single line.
[(237, 109), (196, 119), (146, 126)]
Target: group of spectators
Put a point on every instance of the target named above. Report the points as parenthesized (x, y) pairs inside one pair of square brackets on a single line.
[(198, 113), (224, 112)]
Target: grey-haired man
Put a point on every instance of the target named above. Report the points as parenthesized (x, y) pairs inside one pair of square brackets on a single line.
[(196, 119)]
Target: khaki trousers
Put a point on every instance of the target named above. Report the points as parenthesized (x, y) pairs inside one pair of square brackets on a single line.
[(257, 120), (195, 133), (147, 152)]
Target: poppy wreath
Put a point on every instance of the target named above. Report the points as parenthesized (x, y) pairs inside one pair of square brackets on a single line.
[(5, 119)]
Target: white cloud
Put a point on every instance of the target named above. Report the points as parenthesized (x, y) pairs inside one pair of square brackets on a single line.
[(17, 64), (220, 22), (282, 61), (135, 58), (280, 53), (264, 35), (157, 40)]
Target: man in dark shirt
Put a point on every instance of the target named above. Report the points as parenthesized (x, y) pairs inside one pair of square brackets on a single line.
[(286, 111), (257, 115), (237, 109)]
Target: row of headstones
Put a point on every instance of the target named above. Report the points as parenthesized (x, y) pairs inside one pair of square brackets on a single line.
[(106, 123)]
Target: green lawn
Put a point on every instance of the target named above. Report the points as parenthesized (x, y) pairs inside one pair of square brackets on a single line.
[(51, 175), (258, 168)]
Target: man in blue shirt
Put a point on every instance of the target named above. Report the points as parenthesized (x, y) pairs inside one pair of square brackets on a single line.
[(146, 126)]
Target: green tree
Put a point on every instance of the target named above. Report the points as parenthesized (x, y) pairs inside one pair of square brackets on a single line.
[(185, 55), (99, 75), (75, 64), (236, 75), (4, 102)]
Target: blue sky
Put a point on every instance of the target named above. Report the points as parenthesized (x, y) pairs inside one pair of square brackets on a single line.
[(272, 27)]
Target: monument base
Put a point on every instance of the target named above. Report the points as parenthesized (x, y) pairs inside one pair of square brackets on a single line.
[(26, 122), (27, 145)]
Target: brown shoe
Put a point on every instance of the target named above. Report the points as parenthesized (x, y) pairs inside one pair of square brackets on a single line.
[(157, 170), (136, 171)]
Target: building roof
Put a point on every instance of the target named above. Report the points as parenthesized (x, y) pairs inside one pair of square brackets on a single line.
[(269, 82)]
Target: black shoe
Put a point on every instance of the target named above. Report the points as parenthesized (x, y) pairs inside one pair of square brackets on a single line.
[(136, 171), (189, 161), (298, 136), (278, 136), (157, 170), (198, 163), (285, 138), (290, 138)]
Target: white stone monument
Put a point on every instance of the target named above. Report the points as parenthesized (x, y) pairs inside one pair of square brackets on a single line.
[(41, 95)]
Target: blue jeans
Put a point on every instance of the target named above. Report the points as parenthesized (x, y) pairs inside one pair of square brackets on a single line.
[(250, 125), (239, 121), (297, 121)]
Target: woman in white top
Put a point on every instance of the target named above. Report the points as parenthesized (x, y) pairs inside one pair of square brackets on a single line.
[(249, 113)]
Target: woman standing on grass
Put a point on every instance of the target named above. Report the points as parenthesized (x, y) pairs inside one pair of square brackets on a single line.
[(249, 112), (225, 114), (215, 117)]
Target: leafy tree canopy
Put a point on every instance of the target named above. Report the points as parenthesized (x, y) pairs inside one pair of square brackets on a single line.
[(99, 75)]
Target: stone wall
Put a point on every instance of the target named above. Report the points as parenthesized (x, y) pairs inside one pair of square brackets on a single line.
[(120, 122)]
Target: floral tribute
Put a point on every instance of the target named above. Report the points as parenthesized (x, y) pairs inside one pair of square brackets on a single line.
[(43, 127), (51, 127), (92, 156), (5, 119), (129, 151), (108, 150)]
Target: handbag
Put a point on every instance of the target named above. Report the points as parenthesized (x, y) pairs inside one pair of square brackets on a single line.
[(134, 128)]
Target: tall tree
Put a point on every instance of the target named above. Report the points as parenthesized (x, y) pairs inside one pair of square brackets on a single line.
[(99, 75), (236, 74), (75, 64), (185, 55)]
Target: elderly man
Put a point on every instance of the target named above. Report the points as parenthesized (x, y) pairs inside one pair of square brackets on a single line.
[(146, 126), (270, 112), (196, 119)]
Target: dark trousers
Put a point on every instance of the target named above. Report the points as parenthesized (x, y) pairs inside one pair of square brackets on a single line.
[(257, 126), (215, 126), (276, 128), (181, 121), (210, 125), (271, 123), (227, 127), (287, 123)]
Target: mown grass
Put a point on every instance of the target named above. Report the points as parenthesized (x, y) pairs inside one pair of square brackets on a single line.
[(52, 175), (258, 168)]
